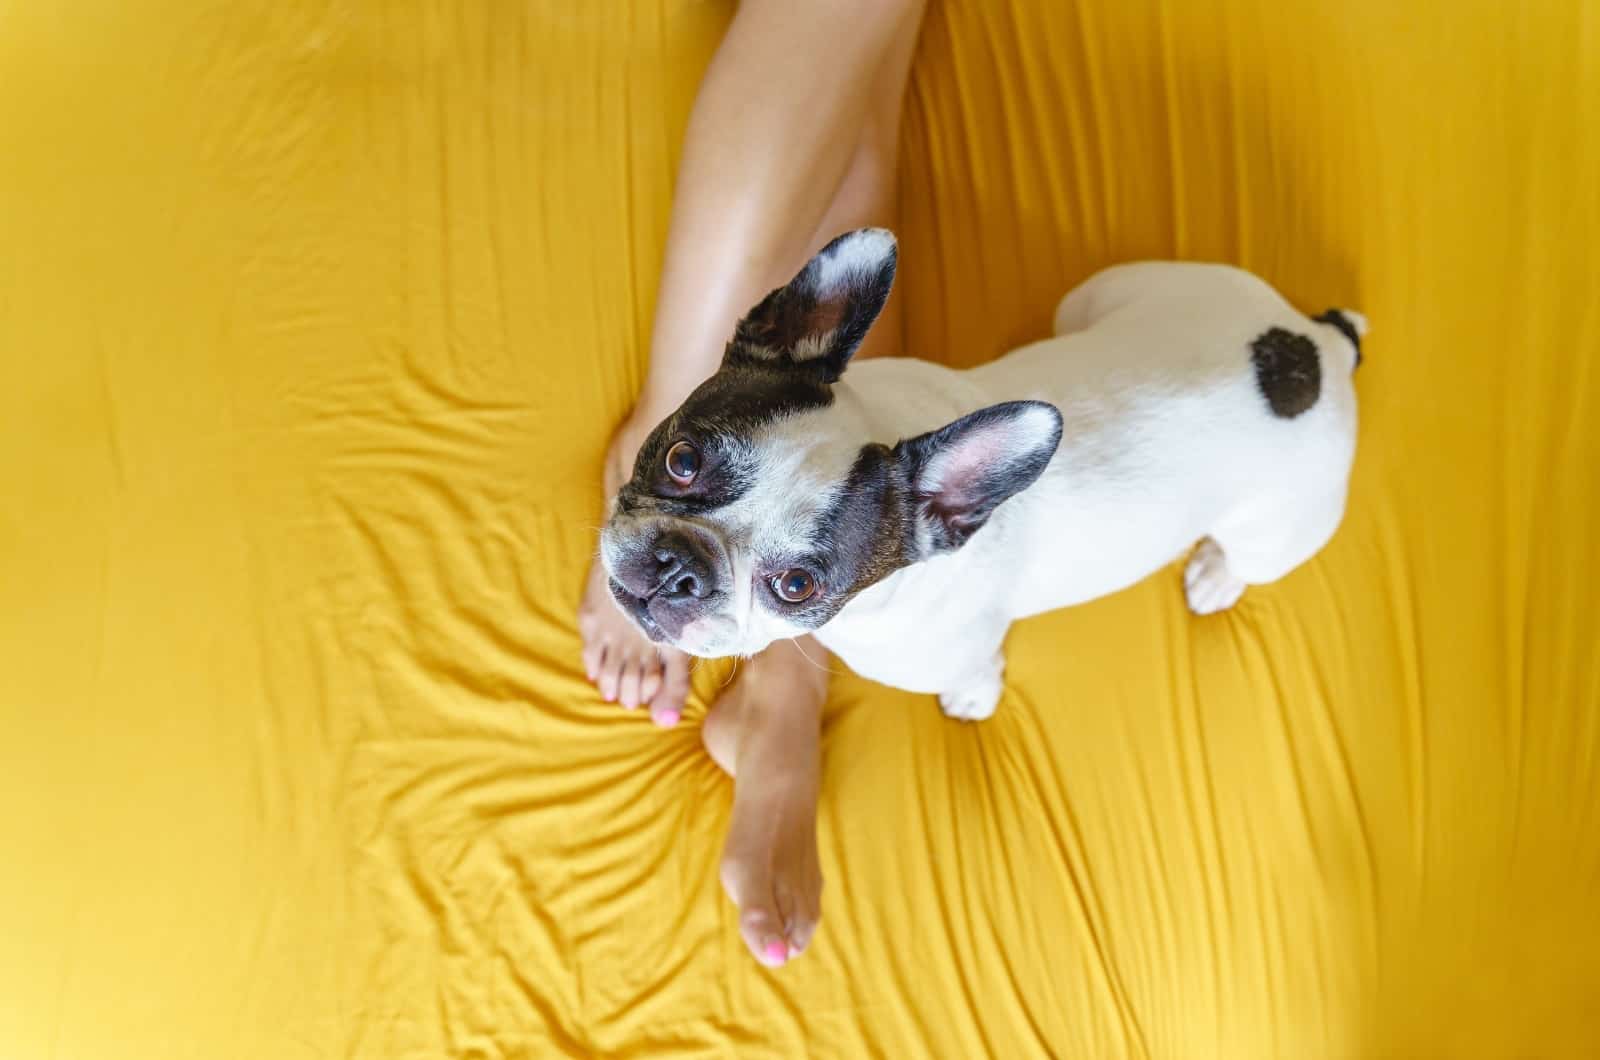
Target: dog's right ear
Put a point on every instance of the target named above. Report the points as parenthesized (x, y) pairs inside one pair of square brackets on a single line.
[(818, 319)]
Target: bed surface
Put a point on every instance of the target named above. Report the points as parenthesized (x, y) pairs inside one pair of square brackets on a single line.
[(315, 318)]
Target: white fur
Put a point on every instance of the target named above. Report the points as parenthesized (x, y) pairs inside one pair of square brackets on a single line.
[(1167, 441), (802, 467), (858, 256)]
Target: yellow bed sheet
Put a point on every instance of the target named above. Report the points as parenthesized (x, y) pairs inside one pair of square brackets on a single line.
[(314, 318)]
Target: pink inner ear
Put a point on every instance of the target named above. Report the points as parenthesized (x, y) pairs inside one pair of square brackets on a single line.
[(956, 471), (802, 334), (826, 315)]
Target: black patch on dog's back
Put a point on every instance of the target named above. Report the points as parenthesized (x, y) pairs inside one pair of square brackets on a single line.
[(1342, 322), (1288, 371)]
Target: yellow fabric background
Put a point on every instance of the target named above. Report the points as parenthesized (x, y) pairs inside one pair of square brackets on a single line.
[(314, 319)]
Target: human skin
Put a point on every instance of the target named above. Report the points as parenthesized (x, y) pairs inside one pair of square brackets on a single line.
[(793, 139)]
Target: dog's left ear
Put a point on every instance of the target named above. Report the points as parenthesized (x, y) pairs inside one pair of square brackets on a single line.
[(820, 317), (960, 473)]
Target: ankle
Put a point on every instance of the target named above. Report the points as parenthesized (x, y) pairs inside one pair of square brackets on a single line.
[(800, 667)]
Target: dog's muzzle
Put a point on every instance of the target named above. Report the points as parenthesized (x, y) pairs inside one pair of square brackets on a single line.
[(667, 580)]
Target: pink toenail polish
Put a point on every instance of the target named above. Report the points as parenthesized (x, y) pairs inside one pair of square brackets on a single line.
[(669, 717), (777, 952)]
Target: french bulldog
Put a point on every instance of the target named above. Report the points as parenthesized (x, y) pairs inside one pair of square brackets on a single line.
[(906, 513)]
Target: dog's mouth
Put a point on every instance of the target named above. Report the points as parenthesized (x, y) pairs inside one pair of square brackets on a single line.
[(638, 609)]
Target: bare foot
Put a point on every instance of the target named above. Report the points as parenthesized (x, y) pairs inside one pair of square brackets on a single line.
[(765, 732), (621, 661)]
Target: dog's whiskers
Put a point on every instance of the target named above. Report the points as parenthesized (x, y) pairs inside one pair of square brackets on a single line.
[(732, 670), (825, 669)]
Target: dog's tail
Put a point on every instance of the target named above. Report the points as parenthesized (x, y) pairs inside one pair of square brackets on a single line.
[(1351, 325)]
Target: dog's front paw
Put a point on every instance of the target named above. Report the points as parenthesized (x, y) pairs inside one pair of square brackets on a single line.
[(976, 698)]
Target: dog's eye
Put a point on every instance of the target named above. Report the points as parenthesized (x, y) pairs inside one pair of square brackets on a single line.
[(794, 586), (683, 463)]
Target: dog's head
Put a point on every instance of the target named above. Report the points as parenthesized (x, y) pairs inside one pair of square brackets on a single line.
[(761, 506)]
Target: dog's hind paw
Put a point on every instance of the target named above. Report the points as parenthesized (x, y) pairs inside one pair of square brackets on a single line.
[(1207, 581)]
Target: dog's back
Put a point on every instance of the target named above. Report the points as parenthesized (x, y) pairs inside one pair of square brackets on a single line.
[(1198, 405)]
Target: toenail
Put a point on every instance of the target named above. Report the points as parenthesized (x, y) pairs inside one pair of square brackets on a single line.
[(669, 717), (777, 952)]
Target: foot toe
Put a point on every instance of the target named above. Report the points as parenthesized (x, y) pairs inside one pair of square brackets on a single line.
[(593, 653), (610, 674), (666, 705), (628, 682), (801, 908), (650, 678), (762, 930)]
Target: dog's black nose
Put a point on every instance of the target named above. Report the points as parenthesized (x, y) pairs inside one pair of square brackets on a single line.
[(683, 569)]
